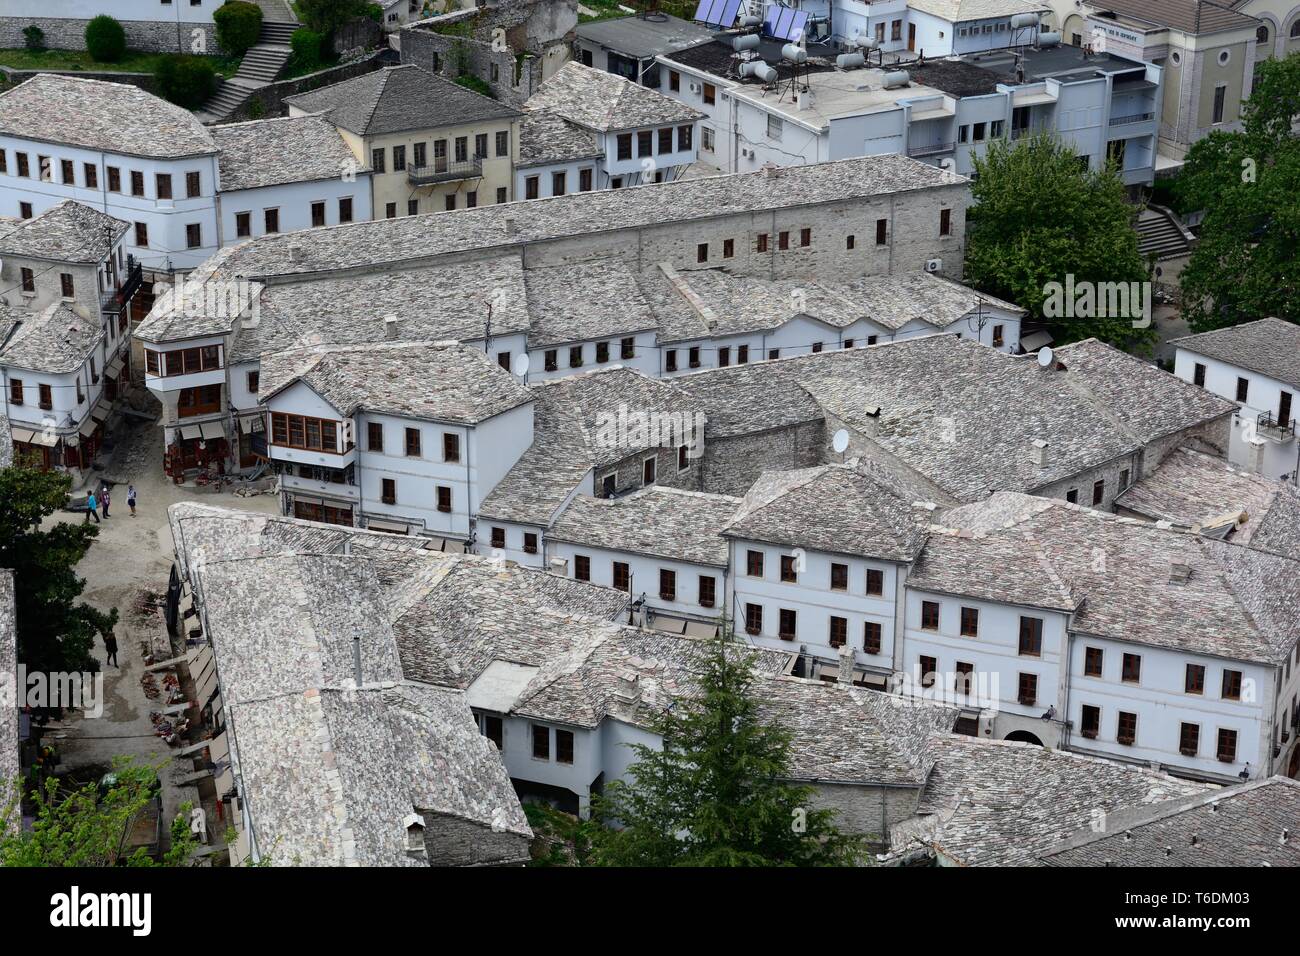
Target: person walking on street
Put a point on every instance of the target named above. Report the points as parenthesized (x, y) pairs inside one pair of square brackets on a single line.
[(103, 497), (130, 498), (110, 648), (92, 508)]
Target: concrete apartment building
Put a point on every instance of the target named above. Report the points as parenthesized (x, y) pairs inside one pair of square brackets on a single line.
[(430, 144)]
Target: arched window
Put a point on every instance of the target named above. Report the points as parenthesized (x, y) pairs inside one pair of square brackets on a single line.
[(1295, 29), (1261, 35)]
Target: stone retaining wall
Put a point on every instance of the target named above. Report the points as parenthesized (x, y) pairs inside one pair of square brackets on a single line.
[(146, 36)]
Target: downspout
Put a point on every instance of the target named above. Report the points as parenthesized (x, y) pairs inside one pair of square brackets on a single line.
[(470, 505)]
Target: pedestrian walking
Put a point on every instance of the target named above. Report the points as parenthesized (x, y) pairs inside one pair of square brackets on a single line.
[(92, 508), (130, 498), (110, 648), (103, 499)]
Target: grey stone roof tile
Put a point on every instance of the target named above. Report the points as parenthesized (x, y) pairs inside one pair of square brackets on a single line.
[(546, 138), (1268, 346), (656, 521), (272, 152), (66, 232), (606, 102), (57, 340)]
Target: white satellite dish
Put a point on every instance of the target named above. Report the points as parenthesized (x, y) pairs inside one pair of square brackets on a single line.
[(521, 364), (840, 442), (1045, 356)]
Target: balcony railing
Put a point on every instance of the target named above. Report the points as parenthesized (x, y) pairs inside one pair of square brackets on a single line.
[(1272, 428), (115, 300), (1131, 118), (930, 149), (444, 172)]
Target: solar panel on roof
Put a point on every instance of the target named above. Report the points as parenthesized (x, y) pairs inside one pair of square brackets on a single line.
[(783, 23), (730, 10), (710, 11)]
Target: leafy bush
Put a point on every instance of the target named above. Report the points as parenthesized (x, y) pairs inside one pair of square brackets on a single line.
[(105, 39), (375, 12), (307, 46), (34, 38), (475, 83), (187, 81), (238, 26), (326, 16)]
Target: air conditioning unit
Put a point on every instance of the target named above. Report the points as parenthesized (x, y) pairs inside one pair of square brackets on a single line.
[(933, 265), (985, 724), (695, 87), (747, 152)]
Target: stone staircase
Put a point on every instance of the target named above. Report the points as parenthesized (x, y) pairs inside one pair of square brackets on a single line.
[(262, 64), (1162, 235)]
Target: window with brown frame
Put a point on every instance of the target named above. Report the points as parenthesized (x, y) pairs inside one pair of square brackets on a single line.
[(412, 443), (191, 185), (68, 169), (1126, 729), (602, 353), (839, 633), (563, 746), (15, 391), (945, 222), (1231, 685), (1227, 749), (65, 285), (1098, 491), (581, 567), (789, 572), (530, 542), (805, 237), (201, 400), (1090, 721), (163, 185), (1028, 690), (137, 183), (91, 172), (1031, 636), (142, 235), (1194, 680), (788, 624), (114, 179), (970, 622), (929, 668), (541, 742), (754, 563), (708, 594), (783, 240), (450, 447), (46, 397), (683, 458), (627, 348), (27, 279), (622, 576), (872, 633), (575, 356), (667, 584), (742, 354), (962, 679), (375, 436), (929, 615), (498, 537), (1092, 661), (253, 381), (839, 577), (728, 248), (444, 499), (299, 431), (760, 244), (1131, 672), (753, 618), (875, 581), (1189, 739)]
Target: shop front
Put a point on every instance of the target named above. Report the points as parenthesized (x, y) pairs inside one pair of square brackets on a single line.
[(200, 446)]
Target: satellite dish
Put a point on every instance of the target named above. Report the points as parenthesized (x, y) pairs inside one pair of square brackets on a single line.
[(521, 364), (1045, 356), (840, 442)]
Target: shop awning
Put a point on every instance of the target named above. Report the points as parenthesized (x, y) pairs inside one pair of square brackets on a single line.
[(44, 438), (191, 431), (88, 427), (669, 625), (101, 411), (374, 524), (456, 547), (701, 629), (251, 424), (22, 436), (212, 430)]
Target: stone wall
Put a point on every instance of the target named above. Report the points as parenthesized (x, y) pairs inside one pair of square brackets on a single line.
[(450, 841), (732, 465), (512, 78), (146, 36), (866, 810)]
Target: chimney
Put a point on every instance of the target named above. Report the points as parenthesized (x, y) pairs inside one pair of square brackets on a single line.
[(846, 664), (1038, 453), (511, 228), (1180, 574), (390, 328), (805, 100), (629, 687), (295, 252), (558, 566)]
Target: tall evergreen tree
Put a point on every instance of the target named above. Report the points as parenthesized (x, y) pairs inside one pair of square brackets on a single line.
[(717, 793)]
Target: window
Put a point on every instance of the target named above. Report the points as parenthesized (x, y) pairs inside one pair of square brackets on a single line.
[(882, 231), (375, 436), (670, 360), (683, 457), (1231, 685), (849, 241), (558, 183), (995, 129), (875, 581), (137, 183), (945, 222), (667, 584), (530, 542), (551, 360), (728, 248), (1131, 672), (684, 138), (575, 356), (1098, 491), (24, 170), (978, 132), (674, 81), (193, 235), (399, 158), (292, 431), (563, 746), (702, 252), (761, 243), (1072, 496), (1220, 97), (783, 240), (15, 391), (929, 667), (624, 145), (581, 567), (584, 180), (46, 397), (665, 144), (318, 214), (997, 336), (753, 618), (930, 615), (724, 356), (627, 348), (817, 346), (1194, 679), (1243, 389), (498, 538), (1027, 694), (693, 355), (501, 194), (389, 496), (789, 572), (1126, 731), (648, 471), (754, 564), (788, 625), (377, 160), (503, 142), (91, 172), (1189, 739), (1031, 636), (1092, 661), (1090, 721), (839, 631), (163, 185), (622, 576), (450, 447), (970, 622), (65, 284), (707, 139), (390, 209), (531, 187), (444, 499), (192, 185), (871, 637), (708, 591), (742, 354), (412, 443), (839, 577), (1227, 749), (962, 679), (141, 235), (345, 209), (541, 743), (480, 146), (271, 219), (1198, 375), (69, 176), (805, 237), (243, 224), (896, 30)]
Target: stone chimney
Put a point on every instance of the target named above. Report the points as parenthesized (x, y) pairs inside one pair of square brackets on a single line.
[(1038, 453), (390, 328), (512, 229), (846, 664), (295, 252), (1180, 574)]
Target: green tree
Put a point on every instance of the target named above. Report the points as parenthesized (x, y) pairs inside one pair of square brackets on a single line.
[(238, 26), (1039, 216), (308, 47), (55, 630), (717, 793), (90, 825), (105, 39), (1244, 266), (185, 80), (326, 16)]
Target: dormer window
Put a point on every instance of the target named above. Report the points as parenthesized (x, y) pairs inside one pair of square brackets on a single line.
[(415, 835)]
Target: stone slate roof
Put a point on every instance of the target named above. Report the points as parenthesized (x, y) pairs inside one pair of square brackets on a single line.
[(271, 152), (1189, 16), (656, 521), (409, 239), (66, 232), (833, 508), (581, 301), (1194, 491), (205, 303), (397, 99), (58, 340), (744, 399), (9, 759), (1268, 346), (431, 381), (1040, 552), (605, 102), (1005, 803), (95, 115), (1254, 824), (545, 137), (848, 734)]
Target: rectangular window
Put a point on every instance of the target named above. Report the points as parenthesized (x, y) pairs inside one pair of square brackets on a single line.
[(783, 240), (1131, 672), (753, 618), (805, 237), (1090, 722), (945, 222), (666, 140), (375, 436), (875, 582), (575, 356), (65, 284), (192, 185), (997, 336), (193, 235), (1098, 491), (789, 625), (849, 241), (377, 160), (581, 567), (754, 564), (1189, 739), (558, 183), (444, 499), (702, 252), (15, 391), (271, 220), (839, 631), (450, 447), (694, 356), (882, 231), (839, 577), (1227, 749), (1072, 496), (25, 171), (1092, 661), (163, 185), (670, 360), (501, 194), (69, 176), (648, 471), (667, 584), (742, 354), (930, 615), (480, 145), (584, 180), (1198, 375), (318, 214), (708, 592), (1194, 679), (674, 81), (46, 397), (243, 225), (503, 142), (964, 677), (1031, 636), (399, 158), (345, 209), (551, 360), (412, 443), (871, 637), (789, 571), (292, 431), (1220, 96), (532, 185), (929, 667), (563, 746), (728, 248), (541, 742), (1127, 729), (622, 576), (724, 356), (624, 145), (530, 542), (141, 235), (1243, 389), (760, 244), (137, 183), (970, 622), (389, 495), (1027, 694), (1231, 685), (684, 138), (499, 538), (91, 172)]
